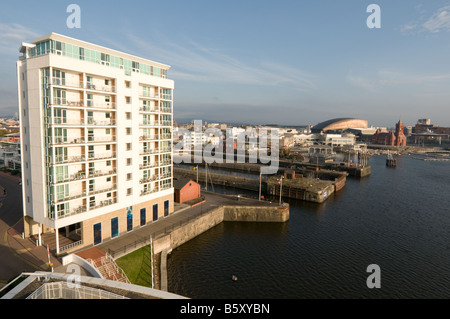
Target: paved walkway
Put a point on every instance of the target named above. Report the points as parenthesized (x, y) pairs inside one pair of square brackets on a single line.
[(18, 255), (212, 201)]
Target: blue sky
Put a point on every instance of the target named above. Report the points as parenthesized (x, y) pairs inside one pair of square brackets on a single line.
[(285, 62)]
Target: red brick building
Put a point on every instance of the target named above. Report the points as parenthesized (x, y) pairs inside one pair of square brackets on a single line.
[(185, 189), (390, 138)]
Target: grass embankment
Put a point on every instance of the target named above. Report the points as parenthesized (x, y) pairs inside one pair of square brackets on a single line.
[(138, 266)]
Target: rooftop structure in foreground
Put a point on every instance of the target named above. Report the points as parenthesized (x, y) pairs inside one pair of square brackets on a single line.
[(96, 136), (339, 124), (47, 285)]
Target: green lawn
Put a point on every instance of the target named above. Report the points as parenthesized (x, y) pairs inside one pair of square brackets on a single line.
[(137, 266)]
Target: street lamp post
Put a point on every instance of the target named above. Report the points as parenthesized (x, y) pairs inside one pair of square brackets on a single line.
[(259, 198), (281, 187)]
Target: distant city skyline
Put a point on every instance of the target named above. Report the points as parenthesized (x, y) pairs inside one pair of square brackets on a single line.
[(258, 62)]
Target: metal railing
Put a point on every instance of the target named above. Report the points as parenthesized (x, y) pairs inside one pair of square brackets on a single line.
[(71, 245), (148, 109), (61, 290)]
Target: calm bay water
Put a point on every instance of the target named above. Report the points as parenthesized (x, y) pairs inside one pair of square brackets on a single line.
[(397, 218)]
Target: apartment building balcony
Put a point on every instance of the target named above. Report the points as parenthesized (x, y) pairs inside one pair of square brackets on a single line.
[(148, 151), (149, 96), (66, 159), (66, 197), (150, 191), (90, 104), (165, 150), (165, 136), (102, 156), (166, 123), (166, 96), (64, 102), (64, 122), (73, 177), (65, 141), (62, 82), (100, 88), (164, 176), (73, 84), (148, 165), (98, 105), (149, 179), (74, 211), (101, 139), (148, 109), (166, 109), (165, 163), (103, 203), (155, 151), (102, 190), (93, 122), (100, 173), (164, 187), (149, 123), (149, 138)]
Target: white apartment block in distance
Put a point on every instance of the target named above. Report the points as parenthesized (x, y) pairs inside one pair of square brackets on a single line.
[(96, 131)]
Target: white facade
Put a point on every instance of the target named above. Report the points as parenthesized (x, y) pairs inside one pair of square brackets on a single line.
[(96, 131)]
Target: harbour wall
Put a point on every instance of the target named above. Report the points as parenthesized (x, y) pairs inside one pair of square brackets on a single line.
[(165, 243)]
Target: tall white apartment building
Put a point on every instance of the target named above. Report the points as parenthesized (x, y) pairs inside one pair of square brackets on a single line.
[(96, 136)]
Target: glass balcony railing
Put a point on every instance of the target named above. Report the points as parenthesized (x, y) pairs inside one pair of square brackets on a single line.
[(148, 165), (149, 123), (103, 203), (102, 190), (148, 109), (149, 191), (149, 179), (101, 88)]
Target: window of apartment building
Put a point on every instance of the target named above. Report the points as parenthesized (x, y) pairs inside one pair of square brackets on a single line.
[(90, 100), (128, 84), (108, 131), (107, 100), (128, 146), (128, 115), (128, 99), (91, 168), (92, 201), (129, 176), (108, 179), (108, 147), (129, 191), (129, 161), (107, 82), (91, 152), (108, 115), (108, 163), (128, 130)]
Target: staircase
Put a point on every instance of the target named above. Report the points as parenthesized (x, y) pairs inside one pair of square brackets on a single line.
[(109, 269)]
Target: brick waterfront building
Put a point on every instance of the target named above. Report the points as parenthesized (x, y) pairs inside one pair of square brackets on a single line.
[(396, 138)]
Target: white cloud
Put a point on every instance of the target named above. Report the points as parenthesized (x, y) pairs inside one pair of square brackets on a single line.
[(440, 21), (12, 35), (196, 62)]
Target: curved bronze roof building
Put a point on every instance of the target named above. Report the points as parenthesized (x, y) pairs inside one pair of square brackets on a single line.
[(339, 124)]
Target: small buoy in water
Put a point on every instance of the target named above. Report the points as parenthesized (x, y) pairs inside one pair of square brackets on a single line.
[(234, 278)]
